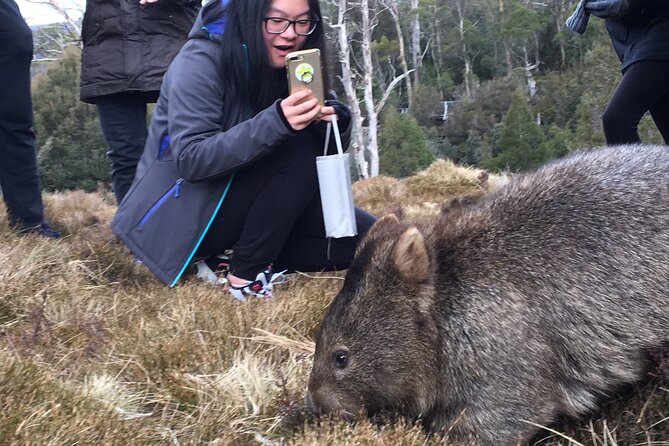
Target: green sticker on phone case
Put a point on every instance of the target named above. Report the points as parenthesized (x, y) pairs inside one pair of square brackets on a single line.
[(304, 72)]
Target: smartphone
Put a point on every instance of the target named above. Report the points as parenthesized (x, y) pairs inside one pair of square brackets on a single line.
[(305, 72)]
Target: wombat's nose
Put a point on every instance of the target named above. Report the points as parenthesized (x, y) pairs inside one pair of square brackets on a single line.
[(311, 407)]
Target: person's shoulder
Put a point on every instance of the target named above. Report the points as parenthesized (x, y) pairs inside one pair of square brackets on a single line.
[(198, 62)]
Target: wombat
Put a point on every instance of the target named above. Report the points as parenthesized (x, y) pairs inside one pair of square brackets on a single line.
[(534, 301)]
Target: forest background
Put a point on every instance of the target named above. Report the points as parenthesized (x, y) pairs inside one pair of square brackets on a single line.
[(495, 84)]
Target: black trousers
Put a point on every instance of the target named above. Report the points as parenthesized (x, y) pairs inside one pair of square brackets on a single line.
[(272, 215), (123, 122), (643, 88), (19, 176)]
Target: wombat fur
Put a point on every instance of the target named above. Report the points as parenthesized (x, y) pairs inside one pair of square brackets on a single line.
[(536, 300)]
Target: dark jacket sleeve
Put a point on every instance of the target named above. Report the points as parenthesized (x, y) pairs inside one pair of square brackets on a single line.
[(202, 149)]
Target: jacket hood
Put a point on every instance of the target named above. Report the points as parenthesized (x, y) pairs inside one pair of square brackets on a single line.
[(210, 22)]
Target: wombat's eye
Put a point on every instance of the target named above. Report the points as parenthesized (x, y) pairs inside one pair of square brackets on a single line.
[(340, 358)]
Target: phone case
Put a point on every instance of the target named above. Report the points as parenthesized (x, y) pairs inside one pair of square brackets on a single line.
[(305, 71)]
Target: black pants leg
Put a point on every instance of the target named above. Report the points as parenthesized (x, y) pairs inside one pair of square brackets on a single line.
[(644, 87), (269, 215), (307, 249), (19, 176), (660, 112), (123, 122)]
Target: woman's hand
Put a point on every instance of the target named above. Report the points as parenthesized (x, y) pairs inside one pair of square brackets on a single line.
[(301, 109)]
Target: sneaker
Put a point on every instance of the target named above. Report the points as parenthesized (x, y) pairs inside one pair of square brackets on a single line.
[(261, 287), (43, 229), (214, 269), (220, 263)]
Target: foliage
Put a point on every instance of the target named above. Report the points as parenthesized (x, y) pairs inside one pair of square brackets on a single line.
[(478, 118), (426, 106), (587, 120), (71, 149), (558, 141), (521, 22), (50, 41), (403, 150), (521, 141)]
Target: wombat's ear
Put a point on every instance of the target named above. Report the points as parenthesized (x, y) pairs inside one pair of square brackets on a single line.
[(410, 256), (386, 220)]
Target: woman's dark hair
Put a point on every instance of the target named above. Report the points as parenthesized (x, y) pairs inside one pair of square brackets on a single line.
[(249, 78)]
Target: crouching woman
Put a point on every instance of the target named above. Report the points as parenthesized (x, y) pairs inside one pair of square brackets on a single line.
[(229, 163)]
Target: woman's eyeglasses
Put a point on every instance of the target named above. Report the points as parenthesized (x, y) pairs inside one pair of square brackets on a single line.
[(278, 25)]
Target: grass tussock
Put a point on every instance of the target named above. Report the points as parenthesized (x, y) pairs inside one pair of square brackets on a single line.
[(424, 193), (95, 350)]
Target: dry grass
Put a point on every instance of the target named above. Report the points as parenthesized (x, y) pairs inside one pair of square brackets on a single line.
[(96, 351)]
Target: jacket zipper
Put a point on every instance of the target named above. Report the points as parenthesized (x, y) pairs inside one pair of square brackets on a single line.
[(203, 233), (175, 190)]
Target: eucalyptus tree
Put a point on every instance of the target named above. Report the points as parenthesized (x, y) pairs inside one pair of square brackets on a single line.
[(354, 42)]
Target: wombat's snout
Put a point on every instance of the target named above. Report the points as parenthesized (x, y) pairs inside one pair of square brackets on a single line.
[(321, 403), (313, 410)]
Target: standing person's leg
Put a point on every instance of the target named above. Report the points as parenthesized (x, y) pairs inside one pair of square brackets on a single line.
[(660, 113), (641, 86), (19, 176), (660, 109), (123, 122)]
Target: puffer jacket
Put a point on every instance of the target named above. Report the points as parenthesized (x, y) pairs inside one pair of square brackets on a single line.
[(128, 46), (192, 151), (642, 34)]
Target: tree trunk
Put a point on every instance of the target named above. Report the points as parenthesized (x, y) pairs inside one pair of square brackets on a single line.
[(415, 43), (465, 52), (559, 26), (372, 119), (436, 50), (394, 12), (357, 141), (505, 42)]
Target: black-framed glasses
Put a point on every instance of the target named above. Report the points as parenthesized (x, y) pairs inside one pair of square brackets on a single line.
[(279, 25)]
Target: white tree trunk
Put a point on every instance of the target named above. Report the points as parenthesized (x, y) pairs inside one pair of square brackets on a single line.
[(529, 77), (368, 67), (465, 53), (394, 12), (415, 42), (365, 139), (437, 55), (357, 141)]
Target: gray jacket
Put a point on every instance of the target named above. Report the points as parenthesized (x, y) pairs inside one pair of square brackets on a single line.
[(192, 151)]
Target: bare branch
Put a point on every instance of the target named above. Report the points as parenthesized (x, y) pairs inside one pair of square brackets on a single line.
[(64, 12), (386, 94)]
